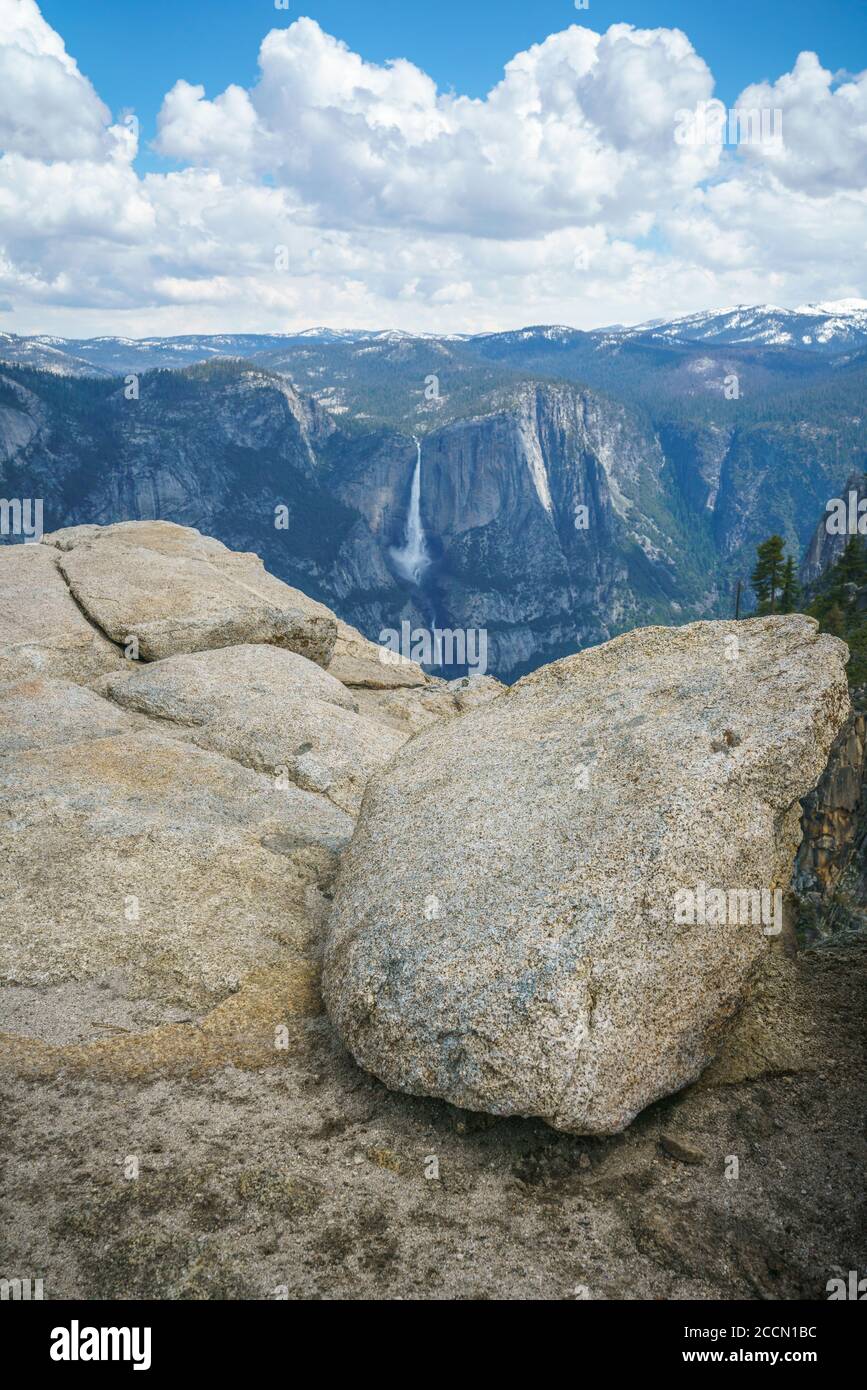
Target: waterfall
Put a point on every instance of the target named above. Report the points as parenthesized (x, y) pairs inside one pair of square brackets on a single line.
[(412, 558)]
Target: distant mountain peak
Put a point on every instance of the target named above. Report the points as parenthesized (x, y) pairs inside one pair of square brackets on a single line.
[(834, 306), (827, 326)]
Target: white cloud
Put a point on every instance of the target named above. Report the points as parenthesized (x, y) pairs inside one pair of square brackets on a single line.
[(562, 196), (824, 128), (580, 127), (201, 131), (47, 109)]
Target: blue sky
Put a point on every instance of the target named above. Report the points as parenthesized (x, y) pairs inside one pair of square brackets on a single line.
[(461, 165), (134, 52)]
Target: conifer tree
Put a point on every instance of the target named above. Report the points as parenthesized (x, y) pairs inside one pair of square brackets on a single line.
[(767, 577), (791, 591), (851, 568)]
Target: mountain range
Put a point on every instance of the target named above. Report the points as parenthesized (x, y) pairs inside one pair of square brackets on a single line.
[(817, 328), (572, 484)]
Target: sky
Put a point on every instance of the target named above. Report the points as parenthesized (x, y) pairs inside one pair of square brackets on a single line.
[(211, 166)]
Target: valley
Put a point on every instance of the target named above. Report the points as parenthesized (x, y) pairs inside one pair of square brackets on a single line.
[(675, 480)]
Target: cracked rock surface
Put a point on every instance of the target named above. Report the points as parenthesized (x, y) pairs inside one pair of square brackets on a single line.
[(175, 590), (42, 629), (169, 828), (268, 709)]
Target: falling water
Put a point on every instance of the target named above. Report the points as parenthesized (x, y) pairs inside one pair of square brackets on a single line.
[(412, 557)]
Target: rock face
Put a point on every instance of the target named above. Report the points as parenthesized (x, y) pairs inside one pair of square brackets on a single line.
[(830, 877), (177, 591), (831, 811), (511, 924), (268, 709), (410, 710), (42, 630), (44, 712), (169, 828), (160, 871), (358, 662)]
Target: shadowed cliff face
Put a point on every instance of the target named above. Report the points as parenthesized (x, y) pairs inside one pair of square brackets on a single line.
[(535, 513), (502, 498), (547, 519), (829, 542), (554, 515)]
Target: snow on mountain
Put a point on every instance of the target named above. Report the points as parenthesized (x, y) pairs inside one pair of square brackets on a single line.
[(829, 327), (834, 324)]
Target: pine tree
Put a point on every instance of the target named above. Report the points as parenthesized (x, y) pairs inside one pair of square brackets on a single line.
[(767, 577), (851, 568), (835, 622), (791, 592)]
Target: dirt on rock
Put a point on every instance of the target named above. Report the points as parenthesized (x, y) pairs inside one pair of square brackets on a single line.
[(307, 1179)]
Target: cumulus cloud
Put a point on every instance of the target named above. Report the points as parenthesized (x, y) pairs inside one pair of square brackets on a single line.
[(200, 131), (579, 128), (824, 128), (47, 109), (338, 190)]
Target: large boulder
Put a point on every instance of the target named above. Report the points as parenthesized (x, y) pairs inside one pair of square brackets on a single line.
[(511, 924), (175, 590), (42, 629), (269, 709)]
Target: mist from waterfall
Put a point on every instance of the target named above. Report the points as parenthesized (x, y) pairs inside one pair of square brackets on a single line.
[(412, 558)]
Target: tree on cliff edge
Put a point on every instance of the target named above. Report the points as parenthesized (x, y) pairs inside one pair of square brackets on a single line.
[(768, 575), (791, 591)]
